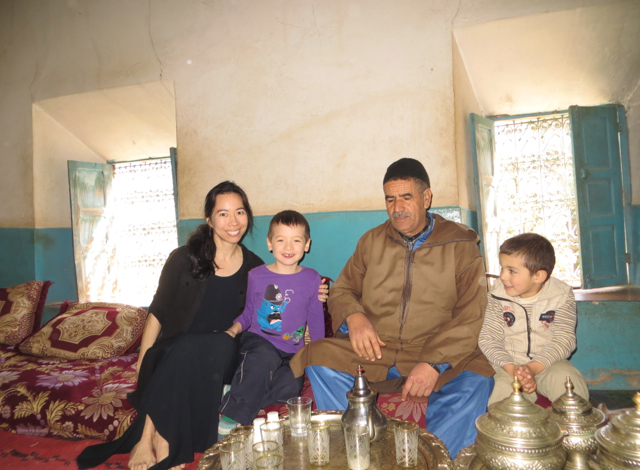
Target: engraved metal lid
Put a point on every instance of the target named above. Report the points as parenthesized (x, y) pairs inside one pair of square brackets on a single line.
[(515, 422), (360, 385), (621, 436), (572, 410)]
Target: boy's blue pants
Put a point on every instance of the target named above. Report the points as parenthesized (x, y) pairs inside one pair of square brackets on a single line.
[(451, 413)]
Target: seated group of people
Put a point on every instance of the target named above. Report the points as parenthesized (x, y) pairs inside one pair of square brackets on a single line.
[(411, 301)]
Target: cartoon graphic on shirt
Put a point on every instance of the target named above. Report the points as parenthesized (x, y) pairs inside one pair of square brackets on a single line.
[(271, 310), (296, 335)]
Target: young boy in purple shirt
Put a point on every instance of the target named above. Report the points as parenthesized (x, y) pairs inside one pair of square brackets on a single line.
[(282, 298)]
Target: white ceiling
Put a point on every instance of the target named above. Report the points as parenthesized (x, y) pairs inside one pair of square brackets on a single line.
[(543, 62)]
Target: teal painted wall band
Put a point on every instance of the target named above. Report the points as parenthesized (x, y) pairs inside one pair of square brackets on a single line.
[(334, 235), (607, 348), (634, 232), (17, 264), (54, 262)]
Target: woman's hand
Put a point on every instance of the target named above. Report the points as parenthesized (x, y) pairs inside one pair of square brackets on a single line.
[(323, 292)]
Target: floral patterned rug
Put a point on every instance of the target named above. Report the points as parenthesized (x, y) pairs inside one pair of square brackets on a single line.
[(37, 453)]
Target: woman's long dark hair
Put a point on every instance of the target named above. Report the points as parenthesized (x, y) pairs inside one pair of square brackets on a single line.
[(200, 246)]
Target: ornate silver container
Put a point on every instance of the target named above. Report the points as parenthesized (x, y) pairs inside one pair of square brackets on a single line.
[(363, 408), (579, 421), (619, 441), (516, 435)]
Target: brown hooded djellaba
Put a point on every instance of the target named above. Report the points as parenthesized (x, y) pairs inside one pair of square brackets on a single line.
[(427, 305)]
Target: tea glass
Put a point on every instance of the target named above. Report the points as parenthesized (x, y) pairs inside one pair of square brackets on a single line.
[(356, 439), (406, 437), (318, 442)]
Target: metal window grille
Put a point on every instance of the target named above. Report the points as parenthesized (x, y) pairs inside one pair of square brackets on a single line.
[(143, 229), (535, 188)]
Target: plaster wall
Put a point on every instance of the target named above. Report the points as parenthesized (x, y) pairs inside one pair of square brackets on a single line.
[(303, 104), (465, 104), (53, 145), (121, 124), (632, 107)]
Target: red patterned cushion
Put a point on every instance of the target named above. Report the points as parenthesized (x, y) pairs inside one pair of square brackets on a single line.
[(88, 331), (68, 399), (20, 310)]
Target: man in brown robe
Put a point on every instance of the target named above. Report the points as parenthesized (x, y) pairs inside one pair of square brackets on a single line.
[(412, 299)]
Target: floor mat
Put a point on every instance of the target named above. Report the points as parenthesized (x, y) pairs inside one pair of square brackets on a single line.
[(43, 453)]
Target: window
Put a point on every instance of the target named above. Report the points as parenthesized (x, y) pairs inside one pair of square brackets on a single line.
[(124, 228), (520, 189)]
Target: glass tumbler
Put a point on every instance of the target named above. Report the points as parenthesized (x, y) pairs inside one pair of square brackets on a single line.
[(266, 448), (244, 434), (232, 455), (299, 415), (406, 437), (270, 462), (356, 439), (272, 431), (318, 442)]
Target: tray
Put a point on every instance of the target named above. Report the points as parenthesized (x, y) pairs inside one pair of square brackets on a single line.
[(432, 453)]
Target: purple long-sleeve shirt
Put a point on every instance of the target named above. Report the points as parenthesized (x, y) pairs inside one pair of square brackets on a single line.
[(280, 305)]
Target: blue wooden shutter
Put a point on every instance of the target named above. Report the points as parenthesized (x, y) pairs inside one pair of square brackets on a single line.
[(89, 187), (483, 150), (599, 189)]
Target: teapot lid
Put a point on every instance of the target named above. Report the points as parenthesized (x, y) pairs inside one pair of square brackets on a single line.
[(573, 410), (515, 421), (622, 435), (360, 385)]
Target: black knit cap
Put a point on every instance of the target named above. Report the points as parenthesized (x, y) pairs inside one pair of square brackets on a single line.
[(406, 168)]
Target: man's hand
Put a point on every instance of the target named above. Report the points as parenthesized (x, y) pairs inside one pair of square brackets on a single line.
[(421, 381), (323, 292), (364, 340)]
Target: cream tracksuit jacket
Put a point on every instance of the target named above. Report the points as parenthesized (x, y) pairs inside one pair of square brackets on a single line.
[(544, 332)]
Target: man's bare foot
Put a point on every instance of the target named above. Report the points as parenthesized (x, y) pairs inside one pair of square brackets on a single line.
[(141, 456)]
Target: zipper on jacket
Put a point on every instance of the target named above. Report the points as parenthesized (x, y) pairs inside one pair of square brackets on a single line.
[(526, 316), (406, 288)]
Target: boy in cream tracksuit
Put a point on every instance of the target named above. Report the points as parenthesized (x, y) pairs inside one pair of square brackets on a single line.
[(529, 325)]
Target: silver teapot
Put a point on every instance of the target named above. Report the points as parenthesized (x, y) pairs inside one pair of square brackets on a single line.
[(363, 408), (579, 421), (619, 441), (517, 435)]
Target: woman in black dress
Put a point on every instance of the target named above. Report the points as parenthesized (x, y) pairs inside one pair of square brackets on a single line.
[(186, 356)]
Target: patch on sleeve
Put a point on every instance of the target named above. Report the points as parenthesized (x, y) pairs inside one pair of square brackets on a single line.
[(509, 318), (547, 317)]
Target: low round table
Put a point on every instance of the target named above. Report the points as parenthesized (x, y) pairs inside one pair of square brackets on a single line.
[(432, 453)]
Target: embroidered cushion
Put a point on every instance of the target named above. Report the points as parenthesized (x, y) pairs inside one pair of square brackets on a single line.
[(92, 330), (21, 310)]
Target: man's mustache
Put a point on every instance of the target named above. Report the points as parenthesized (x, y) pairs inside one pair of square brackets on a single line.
[(395, 215)]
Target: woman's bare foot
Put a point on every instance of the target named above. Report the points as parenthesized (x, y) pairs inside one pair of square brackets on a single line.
[(142, 456), (161, 446)]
